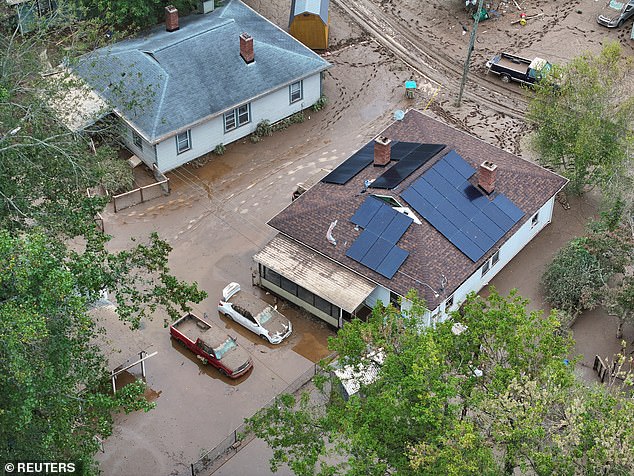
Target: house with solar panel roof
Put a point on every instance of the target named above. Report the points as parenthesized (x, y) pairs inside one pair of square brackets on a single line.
[(197, 82), (422, 206)]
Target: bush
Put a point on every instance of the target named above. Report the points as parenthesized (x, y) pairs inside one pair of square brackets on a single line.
[(263, 129), (320, 104), (574, 279), (220, 149)]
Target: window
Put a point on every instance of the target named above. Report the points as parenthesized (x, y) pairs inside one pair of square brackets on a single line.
[(295, 92), (449, 303), (486, 267), (272, 277), (535, 219), (305, 295), (490, 262), (183, 142), (387, 199), (136, 138), (495, 258), (237, 117), (289, 286)]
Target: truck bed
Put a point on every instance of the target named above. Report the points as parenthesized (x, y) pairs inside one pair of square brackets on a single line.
[(192, 327), (514, 63)]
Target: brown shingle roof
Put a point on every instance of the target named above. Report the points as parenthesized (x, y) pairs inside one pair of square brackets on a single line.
[(431, 255)]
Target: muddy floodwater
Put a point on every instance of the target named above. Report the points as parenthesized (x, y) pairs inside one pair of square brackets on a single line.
[(215, 218)]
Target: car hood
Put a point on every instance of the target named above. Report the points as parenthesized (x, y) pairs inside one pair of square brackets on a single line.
[(273, 321), (611, 12), (235, 358)]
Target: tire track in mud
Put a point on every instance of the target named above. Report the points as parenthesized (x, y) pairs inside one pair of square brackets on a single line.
[(409, 48)]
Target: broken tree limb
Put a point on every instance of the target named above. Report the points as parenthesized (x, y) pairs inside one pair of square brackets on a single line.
[(526, 18)]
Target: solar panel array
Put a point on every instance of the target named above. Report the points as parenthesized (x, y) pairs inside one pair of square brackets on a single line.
[(376, 245), (415, 155), (352, 165), (408, 155), (461, 212)]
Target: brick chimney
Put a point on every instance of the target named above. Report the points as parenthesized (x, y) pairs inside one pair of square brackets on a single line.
[(171, 18), (246, 48), (382, 151), (486, 176)]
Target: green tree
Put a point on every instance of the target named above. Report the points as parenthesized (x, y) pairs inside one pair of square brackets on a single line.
[(55, 396), (494, 395), (574, 279), (583, 128)]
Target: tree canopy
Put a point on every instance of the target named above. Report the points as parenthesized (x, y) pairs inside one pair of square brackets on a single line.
[(55, 395), (583, 127), (495, 394)]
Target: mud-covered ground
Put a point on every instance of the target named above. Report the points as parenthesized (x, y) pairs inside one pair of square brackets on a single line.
[(215, 218)]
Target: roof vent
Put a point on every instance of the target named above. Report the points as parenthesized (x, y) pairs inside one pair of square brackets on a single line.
[(171, 18), (486, 176), (382, 153)]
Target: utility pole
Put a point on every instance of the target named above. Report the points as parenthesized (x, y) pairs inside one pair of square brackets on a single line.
[(471, 43)]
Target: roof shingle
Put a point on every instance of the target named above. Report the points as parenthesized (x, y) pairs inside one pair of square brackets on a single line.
[(431, 255)]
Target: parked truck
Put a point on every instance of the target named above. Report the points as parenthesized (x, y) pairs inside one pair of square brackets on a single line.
[(516, 68), (256, 315), (211, 345)]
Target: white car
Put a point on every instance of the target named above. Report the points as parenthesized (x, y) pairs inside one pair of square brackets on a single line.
[(254, 314)]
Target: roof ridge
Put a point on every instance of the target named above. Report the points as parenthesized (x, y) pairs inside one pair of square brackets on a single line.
[(159, 116), (186, 38)]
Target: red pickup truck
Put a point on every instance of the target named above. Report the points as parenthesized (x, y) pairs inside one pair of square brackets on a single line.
[(211, 345)]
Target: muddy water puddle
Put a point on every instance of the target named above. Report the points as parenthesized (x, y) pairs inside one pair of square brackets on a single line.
[(125, 377)]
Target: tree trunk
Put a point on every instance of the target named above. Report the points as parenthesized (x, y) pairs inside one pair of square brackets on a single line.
[(619, 328)]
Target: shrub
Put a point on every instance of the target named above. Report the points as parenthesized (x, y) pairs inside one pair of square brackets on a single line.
[(220, 149), (320, 104)]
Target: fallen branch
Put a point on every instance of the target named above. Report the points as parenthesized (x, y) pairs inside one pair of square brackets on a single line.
[(526, 18)]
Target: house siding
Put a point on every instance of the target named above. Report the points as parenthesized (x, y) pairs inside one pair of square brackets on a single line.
[(205, 137), (146, 153)]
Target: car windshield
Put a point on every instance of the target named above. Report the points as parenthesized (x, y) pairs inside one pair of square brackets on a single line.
[(265, 316), (225, 347), (616, 5)]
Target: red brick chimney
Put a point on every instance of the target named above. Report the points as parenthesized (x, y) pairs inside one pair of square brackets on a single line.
[(486, 176), (382, 151), (246, 48), (171, 18)]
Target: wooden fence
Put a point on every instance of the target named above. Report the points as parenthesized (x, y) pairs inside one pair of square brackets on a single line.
[(143, 194)]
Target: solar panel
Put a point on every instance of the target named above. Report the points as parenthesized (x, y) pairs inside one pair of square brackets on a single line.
[(377, 254), (458, 163), (376, 246), (461, 212), (366, 211), (381, 219), (508, 207), (392, 262), (399, 225), (351, 166), (361, 245), (399, 150), (416, 157)]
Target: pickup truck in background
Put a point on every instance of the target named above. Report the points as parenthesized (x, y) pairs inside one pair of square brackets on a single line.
[(614, 13), (211, 345), (515, 68), (256, 315)]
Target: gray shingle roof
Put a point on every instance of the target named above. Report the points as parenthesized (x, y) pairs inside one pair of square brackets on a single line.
[(316, 7), (163, 82)]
